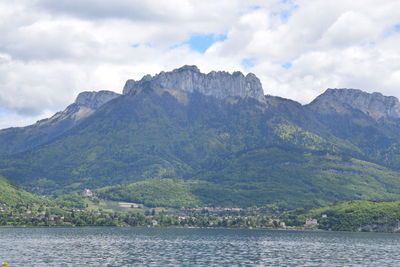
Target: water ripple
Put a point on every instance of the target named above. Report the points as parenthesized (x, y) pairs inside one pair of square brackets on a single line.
[(199, 247)]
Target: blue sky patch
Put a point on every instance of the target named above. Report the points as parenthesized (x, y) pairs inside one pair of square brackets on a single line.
[(285, 14), (5, 111), (394, 29), (136, 45), (287, 65), (249, 62), (201, 42), (255, 7)]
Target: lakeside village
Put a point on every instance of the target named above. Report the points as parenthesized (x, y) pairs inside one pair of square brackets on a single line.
[(86, 209)]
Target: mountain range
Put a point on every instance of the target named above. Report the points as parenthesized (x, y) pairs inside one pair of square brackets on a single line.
[(211, 139)]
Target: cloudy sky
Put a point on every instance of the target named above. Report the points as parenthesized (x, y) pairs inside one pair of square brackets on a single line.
[(52, 50)]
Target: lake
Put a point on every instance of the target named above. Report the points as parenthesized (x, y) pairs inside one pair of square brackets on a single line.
[(116, 246)]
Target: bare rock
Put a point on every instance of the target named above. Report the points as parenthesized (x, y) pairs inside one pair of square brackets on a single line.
[(94, 100), (219, 84), (374, 105)]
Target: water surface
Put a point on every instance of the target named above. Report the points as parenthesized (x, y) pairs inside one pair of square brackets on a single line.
[(115, 246)]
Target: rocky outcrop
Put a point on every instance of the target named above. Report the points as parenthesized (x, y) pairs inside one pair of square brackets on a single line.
[(219, 84), (85, 104), (48, 129), (94, 100), (374, 105)]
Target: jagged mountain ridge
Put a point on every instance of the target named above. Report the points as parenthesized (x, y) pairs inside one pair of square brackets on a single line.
[(369, 121), (189, 79), (374, 105), (232, 148)]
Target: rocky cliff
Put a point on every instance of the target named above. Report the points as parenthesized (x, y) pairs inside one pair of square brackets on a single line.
[(375, 105), (219, 84), (94, 100), (85, 104)]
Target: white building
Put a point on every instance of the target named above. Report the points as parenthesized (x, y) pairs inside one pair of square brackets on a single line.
[(87, 193), (311, 222)]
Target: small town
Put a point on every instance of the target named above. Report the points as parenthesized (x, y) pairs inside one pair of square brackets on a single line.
[(86, 209)]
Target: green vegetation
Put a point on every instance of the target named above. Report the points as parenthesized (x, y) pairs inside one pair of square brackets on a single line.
[(293, 179), (352, 216), (152, 149), (152, 193), (12, 195), (39, 215), (72, 200), (293, 134), (19, 208), (75, 210), (78, 210), (290, 180)]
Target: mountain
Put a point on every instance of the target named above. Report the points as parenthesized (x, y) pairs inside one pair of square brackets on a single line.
[(369, 121), (189, 79), (19, 139), (217, 139), (376, 105)]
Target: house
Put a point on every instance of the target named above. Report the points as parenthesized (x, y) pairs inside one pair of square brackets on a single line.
[(311, 222), (87, 193)]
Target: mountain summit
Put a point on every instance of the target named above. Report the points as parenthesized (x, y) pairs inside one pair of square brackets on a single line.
[(374, 105), (219, 84), (94, 100)]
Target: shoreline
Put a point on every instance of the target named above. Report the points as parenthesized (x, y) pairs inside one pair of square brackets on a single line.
[(191, 227)]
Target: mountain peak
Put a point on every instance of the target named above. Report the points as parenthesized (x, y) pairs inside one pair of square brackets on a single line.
[(375, 105), (94, 99), (220, 84), (193, 68)]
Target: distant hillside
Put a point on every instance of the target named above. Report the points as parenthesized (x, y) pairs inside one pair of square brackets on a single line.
[(358, 215), (11, 195), (306, 180), (221, 137), (152, 193)]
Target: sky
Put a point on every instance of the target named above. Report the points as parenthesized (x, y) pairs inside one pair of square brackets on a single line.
[(52, 50)]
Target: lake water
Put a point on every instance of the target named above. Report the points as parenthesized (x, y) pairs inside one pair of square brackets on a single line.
[(115, 246)]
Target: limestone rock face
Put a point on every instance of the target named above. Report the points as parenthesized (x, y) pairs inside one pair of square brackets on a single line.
[(85, 105), (375, 105), (94, 100), (219, 84)]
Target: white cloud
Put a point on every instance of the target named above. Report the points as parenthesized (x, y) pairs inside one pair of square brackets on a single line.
[(51, 50), (13, 119)]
